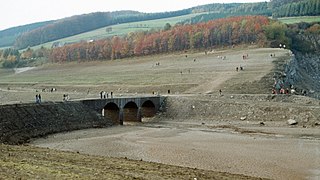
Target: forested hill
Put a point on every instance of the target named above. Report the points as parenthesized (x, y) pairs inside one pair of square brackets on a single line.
[(51, 31), (274, 8), (287, 8), (8, 36), (82, 23)]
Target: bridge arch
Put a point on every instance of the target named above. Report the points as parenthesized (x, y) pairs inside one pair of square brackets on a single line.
[(112, 111), (131, 112), (148, 109)]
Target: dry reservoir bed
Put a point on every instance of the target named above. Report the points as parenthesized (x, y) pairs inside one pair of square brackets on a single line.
[(269, 155)]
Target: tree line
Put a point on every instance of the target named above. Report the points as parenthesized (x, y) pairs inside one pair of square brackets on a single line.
[(203, 36), (285, 8), (216, 33)]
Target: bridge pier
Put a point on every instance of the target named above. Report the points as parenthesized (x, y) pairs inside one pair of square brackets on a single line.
[(121, 116)]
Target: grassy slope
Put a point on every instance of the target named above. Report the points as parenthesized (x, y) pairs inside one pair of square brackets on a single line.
[(292, 20), (121, 29)]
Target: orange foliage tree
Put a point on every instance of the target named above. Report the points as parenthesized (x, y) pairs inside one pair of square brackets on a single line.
[(220, 32)]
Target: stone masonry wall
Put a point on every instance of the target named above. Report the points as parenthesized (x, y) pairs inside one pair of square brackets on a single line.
[(21, 122)]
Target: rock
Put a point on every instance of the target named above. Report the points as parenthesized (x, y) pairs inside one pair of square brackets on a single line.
[(317, 123), (243, 118), (262, 123), (292, 122)]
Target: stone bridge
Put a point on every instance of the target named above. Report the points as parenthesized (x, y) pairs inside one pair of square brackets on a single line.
[(126, 109)]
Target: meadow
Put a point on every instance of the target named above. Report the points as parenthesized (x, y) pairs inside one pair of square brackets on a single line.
[(292, 20), (120, 29)]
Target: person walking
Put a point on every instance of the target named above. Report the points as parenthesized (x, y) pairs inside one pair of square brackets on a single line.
[(37, 98)]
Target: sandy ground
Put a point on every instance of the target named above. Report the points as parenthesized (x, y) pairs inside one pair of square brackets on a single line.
[(269, 155)]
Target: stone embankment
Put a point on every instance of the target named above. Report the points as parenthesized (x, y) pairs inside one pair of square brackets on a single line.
[(273, 110), (303, 71), (21, 122)]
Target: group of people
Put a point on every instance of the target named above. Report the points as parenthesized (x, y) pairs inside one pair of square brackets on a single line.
[(240, 67), (66, 97), (222, 57), (104, 95), (281, 91), (38, 98)]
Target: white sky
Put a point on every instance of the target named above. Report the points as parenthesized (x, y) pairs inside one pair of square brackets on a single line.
[(21, 12)]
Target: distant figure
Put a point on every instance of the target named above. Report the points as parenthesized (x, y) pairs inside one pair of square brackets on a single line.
[(104, 94), (111, 94), (66, 97), (237, 69), (274, 91), (101, 94), (220, 92), (194, 60), (39, 97), (53, 90)]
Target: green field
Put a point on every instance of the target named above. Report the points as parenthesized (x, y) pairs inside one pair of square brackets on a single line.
[(292, 20), (120, 29)]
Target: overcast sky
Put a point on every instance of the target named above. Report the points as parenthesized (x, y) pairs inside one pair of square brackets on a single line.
[(21, 12)]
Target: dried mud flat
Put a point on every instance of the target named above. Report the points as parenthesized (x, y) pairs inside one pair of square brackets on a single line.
[(251, 151), (188, 144)]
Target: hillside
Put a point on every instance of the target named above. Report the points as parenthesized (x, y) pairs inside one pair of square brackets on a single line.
[(83, 23), (51, 31), (8, 36), (118, 30)]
